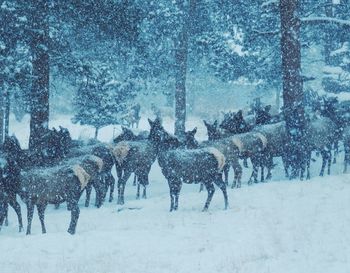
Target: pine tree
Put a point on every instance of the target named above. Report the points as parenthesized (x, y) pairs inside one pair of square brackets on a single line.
[(101, 100)]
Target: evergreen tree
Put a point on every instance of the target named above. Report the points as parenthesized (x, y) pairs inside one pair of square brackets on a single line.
[(101, 100)]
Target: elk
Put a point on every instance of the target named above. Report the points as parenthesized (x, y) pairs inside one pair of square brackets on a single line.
[(135, 157), (42, 186), (179, 165)]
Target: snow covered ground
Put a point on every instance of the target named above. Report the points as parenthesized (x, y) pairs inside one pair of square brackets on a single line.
[(279, 226)]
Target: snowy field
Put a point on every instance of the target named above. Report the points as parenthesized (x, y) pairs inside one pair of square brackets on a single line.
[(279, 226)]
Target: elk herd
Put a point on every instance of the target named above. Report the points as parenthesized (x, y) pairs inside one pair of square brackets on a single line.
[(65, 168)]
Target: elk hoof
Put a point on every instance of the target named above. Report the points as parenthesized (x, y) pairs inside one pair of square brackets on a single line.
[(71, 231)]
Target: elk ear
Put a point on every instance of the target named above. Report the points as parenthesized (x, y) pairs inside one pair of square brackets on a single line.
[(194, 131), (216, 123), (150, 122), (205, 123)]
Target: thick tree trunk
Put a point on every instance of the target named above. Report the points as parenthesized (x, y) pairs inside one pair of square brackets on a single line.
[(39, 110), (181, 52), (292, 84), (180, 84)]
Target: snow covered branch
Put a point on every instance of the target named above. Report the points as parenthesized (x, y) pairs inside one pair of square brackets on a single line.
[(322, 19)]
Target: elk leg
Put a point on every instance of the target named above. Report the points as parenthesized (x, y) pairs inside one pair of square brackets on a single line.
[(238, 174), (255, 171), (226, 170), (245, 162), (111, 190), (30, 211), (308, 162), (177, 193), (108, 181), (2, 213), (346, 157), (211, 190), (41, 212), (144, 193), (324, 161), (144, 182), (6, 215), (100, 192), (285, 165), (88, 194), (15, 205), (329, 152), (262, 178), (75, 211), (138, 191), (336, 151), (171, 183), (135, 180), (222, 186), (201, 187), (121, 187)]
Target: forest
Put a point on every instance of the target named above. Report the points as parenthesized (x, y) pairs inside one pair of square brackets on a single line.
[(173, 98)]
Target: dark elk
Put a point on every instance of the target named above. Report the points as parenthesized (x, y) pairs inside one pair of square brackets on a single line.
[(8, 197), (276, 137), (104, 179), (40, 187), (234, 123), (252, 145), (321, 133), (179, 165), (135, 157), (127, 135), (215, 134)]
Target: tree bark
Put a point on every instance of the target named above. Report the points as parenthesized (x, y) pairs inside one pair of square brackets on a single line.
[(39, 110), (7, 113), (328, 36), (293, 85), (1, 112), (181, 52)]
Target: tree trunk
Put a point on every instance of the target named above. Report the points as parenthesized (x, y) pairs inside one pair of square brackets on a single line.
[(7, 113), (181, 52), (1, 113), (328, 35), (39, 110), (96, 132), (293, 85)]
